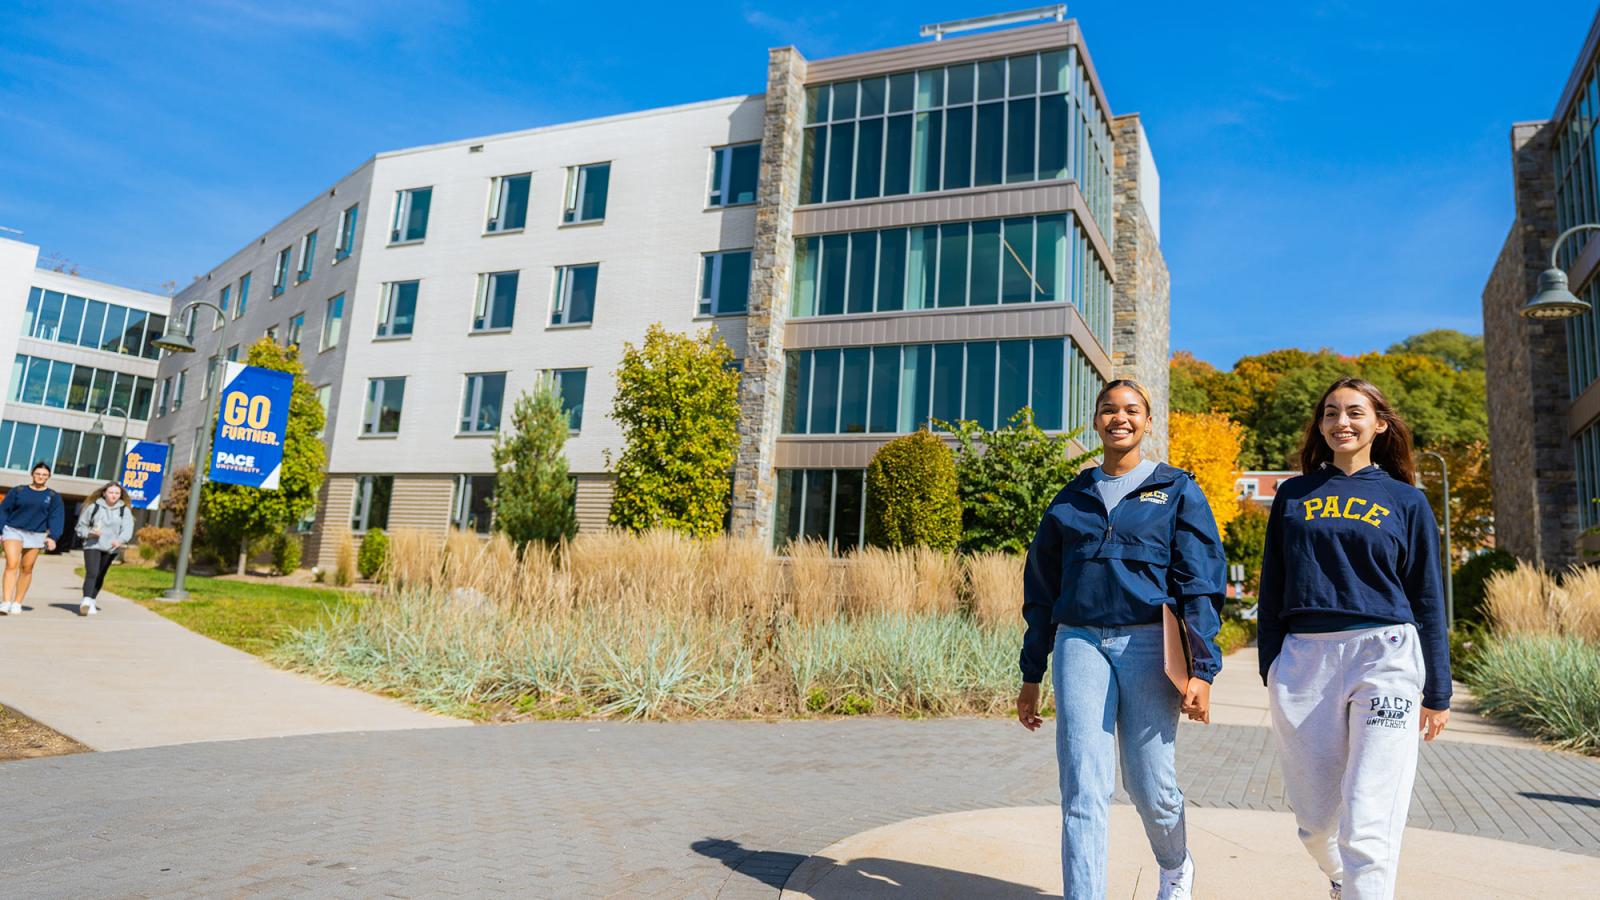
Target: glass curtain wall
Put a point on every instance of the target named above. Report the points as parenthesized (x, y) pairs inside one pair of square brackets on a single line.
[(826, 505)]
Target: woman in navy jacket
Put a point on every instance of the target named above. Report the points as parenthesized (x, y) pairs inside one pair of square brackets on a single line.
[(31, 518), (1121, 541)]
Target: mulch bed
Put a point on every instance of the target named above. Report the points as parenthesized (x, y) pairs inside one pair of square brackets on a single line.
[(23, 738)]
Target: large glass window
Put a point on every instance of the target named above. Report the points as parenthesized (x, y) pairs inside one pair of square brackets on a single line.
[(471, 509), (824, 505), (308, 254), (345, 244), (575, 294), (94, 320), (496, 306), (1008, 120), (244, 295), (71, 320), (115, 328), (63, 385), (480, 402), (332, 321), (385, 397), (570, 384), (898, 388), (725, 283), (280, 271), (410, 215), (733, 174), (508, 202), (371, 502), (224, 300), (587, 187), (397, 312), (987, 261)]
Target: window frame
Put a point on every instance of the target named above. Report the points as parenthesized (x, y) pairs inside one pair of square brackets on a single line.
[(472, 397), (372, 412), (483, 305), (386, 309), (280, 271), (498, 186), (244, 295), (361, 502), (711, 267), (224, 300), (292, 334), (554, 379), (345, 240), (332, 322), (461, 515), (577, 188), (308, 253), (561, 301), (722, 176), (404, 208)]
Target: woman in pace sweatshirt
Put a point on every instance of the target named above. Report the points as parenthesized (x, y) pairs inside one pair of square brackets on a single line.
[(1352, 636), (31, 518), (1121, 541)]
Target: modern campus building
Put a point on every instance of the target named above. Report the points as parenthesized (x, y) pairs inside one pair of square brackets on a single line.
[(83, 371), (953, 229), (1544, 375)]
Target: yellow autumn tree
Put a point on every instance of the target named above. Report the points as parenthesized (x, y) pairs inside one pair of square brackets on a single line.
[(1208, 444)]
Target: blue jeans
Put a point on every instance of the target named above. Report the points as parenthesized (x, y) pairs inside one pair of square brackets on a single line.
[(1113, 699)]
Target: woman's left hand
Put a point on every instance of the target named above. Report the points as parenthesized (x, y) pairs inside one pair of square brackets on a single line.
[(49, 544), (1197, 702), (1433, 722)]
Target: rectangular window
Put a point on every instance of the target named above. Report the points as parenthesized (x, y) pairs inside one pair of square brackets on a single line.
[(280, 272), (835, 272), (471, 509), (164, 397), (733, 174), (508, 203), (345, 243), (410, 215), (296, 325), (22, 446), (143, 391), (980, 383), (1049, 382), (55, 392), (78, 393), (49, 319), (570, 385), (397, 312), (824, 392), (480, 402), (823, 505), (332, 321), (244, 295), (863, 271), (1012, 392), (371, 502), (308, 255), (853, 390), (157, 327), (587, 187), (178, 390), (71, 320), (272, 333), (225, 301), (725, 283), (37, 379), (94, 321), (30, 314), (116, 324), (133, 333), (385, 397), (496, 306), (885, 389), (947, 365), (575, 294)]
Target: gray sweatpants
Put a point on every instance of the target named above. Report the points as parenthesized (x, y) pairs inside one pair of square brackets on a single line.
[(1346, 707)]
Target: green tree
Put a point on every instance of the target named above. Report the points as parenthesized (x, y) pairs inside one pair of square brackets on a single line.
[(533, 495), (677, 401), (1456, 350), (1007, 477), (1243, 541), (238, 516), (1189, 383), (912, 498)]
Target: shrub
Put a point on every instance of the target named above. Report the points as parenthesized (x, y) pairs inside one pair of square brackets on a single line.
[(159, 544), (911, 494), (1546, 684), (1007, 477), (533, 496), (1471, 583), (374, 552), (1243, 541), (344, 561), (286, 552), (1235, 635)]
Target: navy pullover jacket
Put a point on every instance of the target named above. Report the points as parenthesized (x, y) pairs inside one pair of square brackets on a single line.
[(1159, 546), (29, 510), (1363, 545)]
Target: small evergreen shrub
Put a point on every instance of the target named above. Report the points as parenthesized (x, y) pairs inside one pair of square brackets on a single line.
[(911, 494), (374, 551), (1235, 635), (286, 552)]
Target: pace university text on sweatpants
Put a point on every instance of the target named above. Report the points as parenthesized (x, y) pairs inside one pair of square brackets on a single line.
[(1346, 708)]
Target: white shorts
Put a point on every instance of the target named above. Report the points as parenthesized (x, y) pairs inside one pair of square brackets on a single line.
[(31, 540)]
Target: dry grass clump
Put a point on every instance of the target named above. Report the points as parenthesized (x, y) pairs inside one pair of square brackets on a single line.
[(1529, 601), (815, 581), (994, 587), (344, 560)]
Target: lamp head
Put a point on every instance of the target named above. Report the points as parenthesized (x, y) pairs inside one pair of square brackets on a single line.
[(1553, 301)]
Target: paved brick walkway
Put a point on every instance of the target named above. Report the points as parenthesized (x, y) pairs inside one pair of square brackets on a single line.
[(711, 809)]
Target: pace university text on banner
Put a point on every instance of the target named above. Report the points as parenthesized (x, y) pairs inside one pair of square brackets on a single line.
[(251, 426)]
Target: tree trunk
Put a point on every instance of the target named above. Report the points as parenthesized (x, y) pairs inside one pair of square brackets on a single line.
[(244, 553)]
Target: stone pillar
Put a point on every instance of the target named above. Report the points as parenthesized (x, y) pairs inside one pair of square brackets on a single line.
[(761, 388), (1531, 461), (1141, 301)]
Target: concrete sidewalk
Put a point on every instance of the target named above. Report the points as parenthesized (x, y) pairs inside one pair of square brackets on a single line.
[(129, 678), (1239, 698)]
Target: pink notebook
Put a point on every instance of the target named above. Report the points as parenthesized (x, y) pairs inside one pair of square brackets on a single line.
[(1176, 657)]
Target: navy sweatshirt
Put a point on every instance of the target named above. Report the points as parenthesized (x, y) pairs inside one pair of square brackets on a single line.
[(26, 509), (1364, 546), (1159, 546)]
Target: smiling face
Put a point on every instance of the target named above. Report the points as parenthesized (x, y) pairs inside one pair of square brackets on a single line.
[(1349, 423), (1122, 419)]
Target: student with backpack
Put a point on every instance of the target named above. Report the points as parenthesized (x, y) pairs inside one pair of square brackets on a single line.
[(105, 526), (31, 518)]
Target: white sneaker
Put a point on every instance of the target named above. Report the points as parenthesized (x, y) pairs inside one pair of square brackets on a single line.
[(5, 608), (1177, 884), (86, 608), (12, 609)]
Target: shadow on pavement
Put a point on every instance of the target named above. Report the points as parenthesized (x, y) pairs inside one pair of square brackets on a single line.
[(1592, 802), (828, 879)]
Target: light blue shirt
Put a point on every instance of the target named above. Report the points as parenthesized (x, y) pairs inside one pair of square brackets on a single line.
[(1113, 488)]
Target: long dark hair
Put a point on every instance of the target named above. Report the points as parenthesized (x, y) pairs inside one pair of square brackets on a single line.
[(1391, 449)]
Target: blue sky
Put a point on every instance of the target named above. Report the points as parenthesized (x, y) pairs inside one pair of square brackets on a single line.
[(1333, 174)]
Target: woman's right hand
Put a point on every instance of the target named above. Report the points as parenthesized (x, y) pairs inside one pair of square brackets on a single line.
[(1028, 707)]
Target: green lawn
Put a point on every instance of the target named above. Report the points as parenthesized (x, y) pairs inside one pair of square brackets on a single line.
[(252, 617)]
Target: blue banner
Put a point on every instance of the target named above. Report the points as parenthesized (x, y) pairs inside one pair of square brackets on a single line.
[(143, 472), (251, 426)]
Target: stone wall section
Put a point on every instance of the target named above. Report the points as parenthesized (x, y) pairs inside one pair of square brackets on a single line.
[(761, 388), (1531, 461), (1141, 299)]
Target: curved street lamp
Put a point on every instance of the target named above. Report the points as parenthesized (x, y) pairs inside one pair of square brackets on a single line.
[(1554, 300), (176, 340)]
